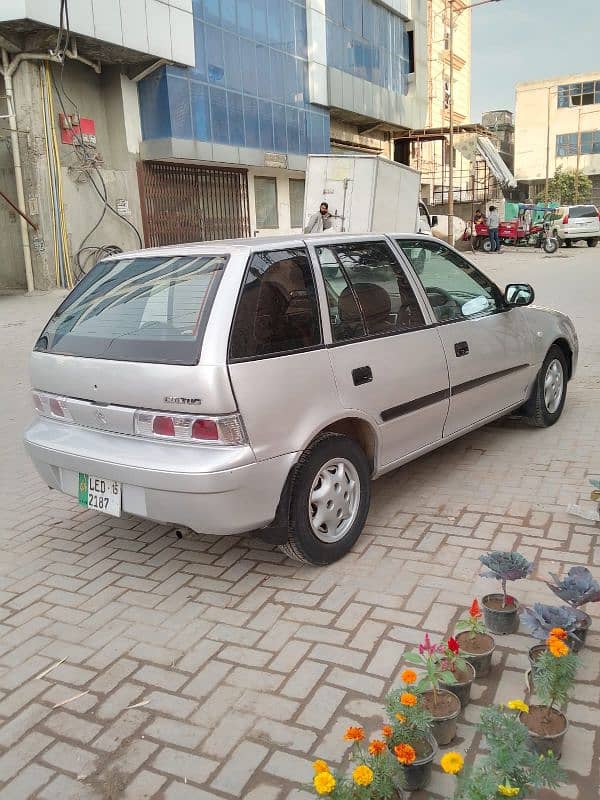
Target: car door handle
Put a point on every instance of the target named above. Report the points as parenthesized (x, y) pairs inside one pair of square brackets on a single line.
[(461, 349), (362, 375)]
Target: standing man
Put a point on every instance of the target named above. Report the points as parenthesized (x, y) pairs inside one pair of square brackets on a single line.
[(321, 221), (493, 223)]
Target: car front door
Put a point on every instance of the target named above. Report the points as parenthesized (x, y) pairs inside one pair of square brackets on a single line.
[(487, 345), (387, 361)]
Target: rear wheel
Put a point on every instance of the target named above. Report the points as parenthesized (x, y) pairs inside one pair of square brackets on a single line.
[(547, 400), (330, 498), (592, 242), (487, 246)]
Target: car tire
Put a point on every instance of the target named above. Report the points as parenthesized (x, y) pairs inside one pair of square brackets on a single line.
[(569, 242), (592, 242), (349, 493), (486, 246), (547, 399)]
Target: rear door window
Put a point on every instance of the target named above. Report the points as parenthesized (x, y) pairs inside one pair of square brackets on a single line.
[(150, 309), (579, 212), (367, 291), (277, 311)]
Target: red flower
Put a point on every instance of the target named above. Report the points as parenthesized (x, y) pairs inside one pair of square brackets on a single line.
[(475, 611), (453, 645)]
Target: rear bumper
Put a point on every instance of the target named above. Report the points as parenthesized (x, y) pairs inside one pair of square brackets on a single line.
[(210, 490), (575, 234)]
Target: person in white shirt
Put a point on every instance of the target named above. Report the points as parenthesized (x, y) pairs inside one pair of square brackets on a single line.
[(493, 223), (319, 222)]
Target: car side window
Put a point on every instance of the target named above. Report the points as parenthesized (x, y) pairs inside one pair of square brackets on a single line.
[(367, 291), (455, 288), (277, 311)]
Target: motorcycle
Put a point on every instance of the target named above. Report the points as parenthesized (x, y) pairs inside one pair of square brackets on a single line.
[(549, 244)]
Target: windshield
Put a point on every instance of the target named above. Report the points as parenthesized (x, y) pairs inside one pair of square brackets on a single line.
[(577, 212), (151, 309)]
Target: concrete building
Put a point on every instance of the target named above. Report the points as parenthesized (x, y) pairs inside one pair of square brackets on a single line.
[(501, 125), (557, 123), (190, 120)]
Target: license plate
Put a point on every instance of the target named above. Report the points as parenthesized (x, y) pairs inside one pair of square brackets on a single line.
[(100, 494)]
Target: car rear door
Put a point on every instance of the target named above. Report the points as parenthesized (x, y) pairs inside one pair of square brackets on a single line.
[(387, 360), (487, 345)]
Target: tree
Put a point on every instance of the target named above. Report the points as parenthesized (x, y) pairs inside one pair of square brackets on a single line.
[(561, 188)]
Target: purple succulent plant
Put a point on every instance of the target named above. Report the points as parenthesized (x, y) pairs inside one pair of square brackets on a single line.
[(542, 618), (505, 566), (577, 588)]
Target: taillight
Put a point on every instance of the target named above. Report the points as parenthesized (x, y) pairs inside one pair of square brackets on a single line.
[(565, 219), (49, 405), (224, 430)]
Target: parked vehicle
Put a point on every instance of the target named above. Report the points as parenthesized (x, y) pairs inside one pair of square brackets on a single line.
[(365, 193), (577, 223), (544, 239), (259, 385)]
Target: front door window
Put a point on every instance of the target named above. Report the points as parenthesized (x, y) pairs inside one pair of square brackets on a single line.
[(455, 288)]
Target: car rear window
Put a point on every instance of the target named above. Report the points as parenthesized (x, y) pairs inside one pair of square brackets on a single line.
[(577, 212), (151, 309)]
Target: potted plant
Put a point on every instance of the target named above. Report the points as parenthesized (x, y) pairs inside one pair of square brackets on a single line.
[(501, 611), (476, 645), (373, 776), (577, 588), (541, 619), (443, 705), (409, 734), (510, 768), (464, 673), (553, 678)]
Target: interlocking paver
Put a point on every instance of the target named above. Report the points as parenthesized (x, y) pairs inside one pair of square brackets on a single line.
[(247, 666)]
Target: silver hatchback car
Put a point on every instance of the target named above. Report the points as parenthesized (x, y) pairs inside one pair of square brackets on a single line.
[(260, 385)]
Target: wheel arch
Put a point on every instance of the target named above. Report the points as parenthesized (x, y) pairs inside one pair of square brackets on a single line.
[(565, 348)]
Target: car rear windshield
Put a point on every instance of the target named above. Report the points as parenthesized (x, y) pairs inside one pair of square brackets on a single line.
[(151, 309), (576, 212)]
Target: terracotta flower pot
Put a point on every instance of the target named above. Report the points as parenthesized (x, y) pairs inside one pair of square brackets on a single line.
[(462, 687), (444, 711), (477, 651), (535, 652), (498, 619), (546, 729), (417, 775)]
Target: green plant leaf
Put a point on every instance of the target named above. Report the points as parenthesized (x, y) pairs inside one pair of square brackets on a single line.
[(414, 658), (448, 677)]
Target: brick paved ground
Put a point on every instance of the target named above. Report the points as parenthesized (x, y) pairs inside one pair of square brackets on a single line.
[(215, 668)]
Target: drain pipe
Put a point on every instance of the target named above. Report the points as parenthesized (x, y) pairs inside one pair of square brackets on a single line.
[(8, 70)]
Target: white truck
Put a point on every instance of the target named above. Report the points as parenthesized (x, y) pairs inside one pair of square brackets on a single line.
[(365, 194)]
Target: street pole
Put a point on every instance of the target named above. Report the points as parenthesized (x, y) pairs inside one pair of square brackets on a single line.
[(578, 155), (547, 152), (451, 129)]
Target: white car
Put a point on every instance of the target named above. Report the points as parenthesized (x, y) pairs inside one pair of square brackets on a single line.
[(260, 385), (576, 224)]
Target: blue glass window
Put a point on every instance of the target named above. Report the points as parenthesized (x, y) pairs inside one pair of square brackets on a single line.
[(200, 68), (154, 106), (218, 113), (277, 77), (260, 20), (180, 108), (288, 41), (214, 56), (302, 140), (274, 22), (200, 111), (236, 119), (301, 33), (233, 66), (212, 11), (291, 117), (245, 18), (248, 53), (265, 117), (263, 71), (228, 15), (279, 131), (251, 122)]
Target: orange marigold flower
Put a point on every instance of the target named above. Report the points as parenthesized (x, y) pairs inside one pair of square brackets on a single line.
[(408, 699), (409, 676), (405, 753), (400, 717), (320, 766), (559, 633), (354, 734), (557, 647), (387, 731), (377, 747)]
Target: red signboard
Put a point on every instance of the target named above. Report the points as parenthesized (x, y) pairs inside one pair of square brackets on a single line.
[(85, 131)]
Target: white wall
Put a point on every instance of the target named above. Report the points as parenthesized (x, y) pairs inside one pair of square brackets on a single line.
[(161, 28), (283, 199)]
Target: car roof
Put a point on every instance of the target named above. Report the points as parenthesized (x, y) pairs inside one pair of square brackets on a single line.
[(256, 243)]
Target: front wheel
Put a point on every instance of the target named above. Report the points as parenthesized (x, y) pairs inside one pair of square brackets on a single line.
[(487, 246), (330, 498), (547, 400), (550, 245), (592, 242)]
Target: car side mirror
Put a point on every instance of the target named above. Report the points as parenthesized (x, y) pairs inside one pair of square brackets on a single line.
[(434, 220), (519, 294)]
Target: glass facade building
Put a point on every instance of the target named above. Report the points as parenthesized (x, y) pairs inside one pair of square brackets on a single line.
[(368, 41), (249, 87)]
